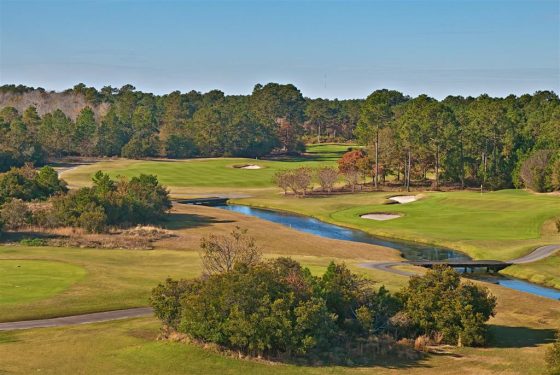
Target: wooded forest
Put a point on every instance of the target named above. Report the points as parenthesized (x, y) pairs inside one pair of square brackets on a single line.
[(464, 141)]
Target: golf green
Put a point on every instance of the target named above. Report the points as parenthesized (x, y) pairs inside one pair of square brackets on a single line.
[(29, 280)]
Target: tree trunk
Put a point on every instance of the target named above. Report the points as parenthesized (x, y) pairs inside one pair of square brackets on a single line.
[(437, 167), (376, 157), (409, 164), (462, 165)]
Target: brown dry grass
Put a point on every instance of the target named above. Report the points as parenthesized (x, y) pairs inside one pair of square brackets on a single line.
[(190, 223)]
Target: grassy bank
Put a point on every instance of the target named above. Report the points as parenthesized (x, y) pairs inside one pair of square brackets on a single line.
[(496, 225)]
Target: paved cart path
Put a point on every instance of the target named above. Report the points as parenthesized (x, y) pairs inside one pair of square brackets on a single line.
[(78, 319)]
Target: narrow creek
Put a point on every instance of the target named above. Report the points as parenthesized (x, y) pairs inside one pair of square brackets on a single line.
[(409, 251)]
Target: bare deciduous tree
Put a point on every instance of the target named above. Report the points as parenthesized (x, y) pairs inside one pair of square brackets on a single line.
[(220, 254), (302, 179), (352, 175), (327, 177), (282, 180)]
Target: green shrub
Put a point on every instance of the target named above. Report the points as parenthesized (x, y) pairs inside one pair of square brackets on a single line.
[(26, 183), (33, 242), (438, 303), (15, 214), (112, 203)]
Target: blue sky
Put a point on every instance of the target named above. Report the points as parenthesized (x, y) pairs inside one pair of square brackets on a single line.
[(343, 49)]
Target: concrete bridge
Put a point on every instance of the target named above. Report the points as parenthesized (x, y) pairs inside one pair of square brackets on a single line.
[(490, 265), (209, 201)]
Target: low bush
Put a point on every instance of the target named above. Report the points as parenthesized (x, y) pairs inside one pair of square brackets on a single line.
[(33, 242), (27, 183), (15, 214), (277, 309), (141, 200)]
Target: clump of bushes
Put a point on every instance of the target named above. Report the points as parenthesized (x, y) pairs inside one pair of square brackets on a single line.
[(140, 200), (15, 214), (27, 183), (277, 309), (33, 242)]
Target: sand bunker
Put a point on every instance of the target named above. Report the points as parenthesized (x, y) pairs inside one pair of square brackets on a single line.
[(247, 166), (380, 216), (251, 166), (402, 199)]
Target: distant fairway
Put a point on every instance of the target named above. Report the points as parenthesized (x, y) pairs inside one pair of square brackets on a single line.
[(212, 175), (497, 225)]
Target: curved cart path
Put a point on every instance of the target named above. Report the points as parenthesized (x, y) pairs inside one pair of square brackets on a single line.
[(78, 319), (538, 254)]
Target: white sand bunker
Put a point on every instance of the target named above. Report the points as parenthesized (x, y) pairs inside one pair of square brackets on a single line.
[(402, 199), (247, 166), (251, 166), (379, 216)]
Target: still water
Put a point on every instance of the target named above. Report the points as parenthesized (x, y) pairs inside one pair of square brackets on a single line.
[(410, 251)]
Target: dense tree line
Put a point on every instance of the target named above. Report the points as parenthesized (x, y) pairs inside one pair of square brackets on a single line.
[(176, 125), (469, 141), (277, 308), (466, 141)]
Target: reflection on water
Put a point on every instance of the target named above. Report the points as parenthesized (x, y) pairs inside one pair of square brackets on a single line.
[(410, 251)]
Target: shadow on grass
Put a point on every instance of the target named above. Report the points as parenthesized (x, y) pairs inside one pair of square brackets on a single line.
[(518, 337), (183, 221), (11, 237)]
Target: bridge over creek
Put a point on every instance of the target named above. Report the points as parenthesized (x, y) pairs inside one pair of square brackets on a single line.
[(490, 265)]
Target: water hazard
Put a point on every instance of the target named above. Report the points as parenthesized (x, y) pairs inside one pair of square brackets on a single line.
[(409, 251)]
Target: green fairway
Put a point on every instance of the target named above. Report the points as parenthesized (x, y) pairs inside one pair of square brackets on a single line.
[(210, 175), (30, 280), (497, 225)]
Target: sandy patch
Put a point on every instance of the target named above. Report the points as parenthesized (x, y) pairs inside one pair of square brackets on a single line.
[(402, 199), (380, 216), (251, 166)]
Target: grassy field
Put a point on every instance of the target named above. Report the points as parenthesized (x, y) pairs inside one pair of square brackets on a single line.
[(497, 225), (114, 279), (123, 278), (522, 328), (30, 280), (207, 176)]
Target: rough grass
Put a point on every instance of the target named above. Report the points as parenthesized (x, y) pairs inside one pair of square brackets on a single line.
[(521, 330), (124, 278)]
